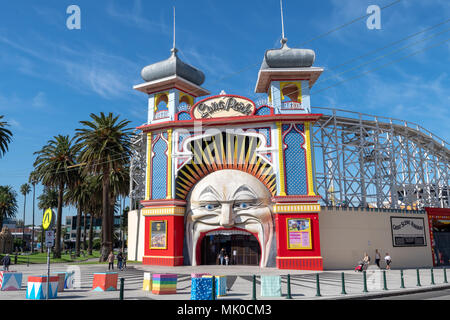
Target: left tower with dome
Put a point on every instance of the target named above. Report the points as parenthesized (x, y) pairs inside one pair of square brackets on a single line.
[(172, 87)]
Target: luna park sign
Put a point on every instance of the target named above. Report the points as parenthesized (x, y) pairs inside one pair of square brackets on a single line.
[(223, 106)]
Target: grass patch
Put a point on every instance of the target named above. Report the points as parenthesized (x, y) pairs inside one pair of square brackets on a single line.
[(39, 257)]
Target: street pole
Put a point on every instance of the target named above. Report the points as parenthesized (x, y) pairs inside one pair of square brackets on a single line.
[(32, 231), (48, 270)]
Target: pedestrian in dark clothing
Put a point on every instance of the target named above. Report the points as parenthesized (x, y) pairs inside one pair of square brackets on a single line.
[(119, 261), (6, 262), (377, 258), (124, 266)]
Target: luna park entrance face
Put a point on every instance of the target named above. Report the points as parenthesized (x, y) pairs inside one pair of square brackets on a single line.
[(242, 249)]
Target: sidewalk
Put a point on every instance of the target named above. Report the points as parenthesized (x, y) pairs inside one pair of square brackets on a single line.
[(239, 281)]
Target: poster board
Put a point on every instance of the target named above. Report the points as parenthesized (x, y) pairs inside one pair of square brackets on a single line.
[(158, 234), (408, 232), (299, 233)]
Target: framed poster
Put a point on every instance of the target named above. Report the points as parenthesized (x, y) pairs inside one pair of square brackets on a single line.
[(299, 233), (158, 234), (408, 232)]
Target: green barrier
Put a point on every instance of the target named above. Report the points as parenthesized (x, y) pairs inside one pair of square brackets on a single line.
[(418, 279), (254, 288), (445, 276), (317, 286), (402, 281), (288, 287), (122, 280), (432, 276), (384, 280), (365, 281), (343, 284)]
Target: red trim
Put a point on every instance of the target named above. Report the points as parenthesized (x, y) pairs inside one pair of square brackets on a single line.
[(265, 106), (163, 202), (178, 114), (296, 199), (231, 121), (435, 213), (203, 234), (219, 96)]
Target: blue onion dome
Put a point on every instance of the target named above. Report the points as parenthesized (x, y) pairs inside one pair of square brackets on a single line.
[(286, 57), (170, 67)]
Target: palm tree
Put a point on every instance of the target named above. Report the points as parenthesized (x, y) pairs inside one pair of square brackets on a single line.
[(52, 167), (24, 190), (105, 146), (33, 179), (48, 199), (78, 195), (8, 203), (5, 137)]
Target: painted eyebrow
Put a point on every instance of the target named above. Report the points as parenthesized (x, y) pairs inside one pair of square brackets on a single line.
[(244, 188), (209, 189)]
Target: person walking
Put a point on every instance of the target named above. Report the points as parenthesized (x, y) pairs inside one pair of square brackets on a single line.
[(366, 260), (6, 262), (226, 259), (111, 261), (388, 260), (119, 261), (124, 265), (234, 256), (221, 256), (377, 258)]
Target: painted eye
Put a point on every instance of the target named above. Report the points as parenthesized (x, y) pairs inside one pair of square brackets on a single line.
[(243, 205), (210, 207)]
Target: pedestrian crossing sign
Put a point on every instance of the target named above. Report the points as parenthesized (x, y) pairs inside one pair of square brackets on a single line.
[(47, 219)]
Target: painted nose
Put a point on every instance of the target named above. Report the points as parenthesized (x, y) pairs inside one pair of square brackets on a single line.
[(226, 217)]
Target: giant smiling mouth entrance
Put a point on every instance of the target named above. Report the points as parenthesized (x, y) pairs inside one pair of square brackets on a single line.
[(245, 245)]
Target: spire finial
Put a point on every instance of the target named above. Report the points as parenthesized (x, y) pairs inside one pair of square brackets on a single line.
[(283, 39), (174, 49)]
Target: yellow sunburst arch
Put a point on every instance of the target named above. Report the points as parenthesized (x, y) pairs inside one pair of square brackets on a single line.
[(223, 151)]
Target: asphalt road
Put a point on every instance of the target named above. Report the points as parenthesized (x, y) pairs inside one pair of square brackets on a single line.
[(431, 295)]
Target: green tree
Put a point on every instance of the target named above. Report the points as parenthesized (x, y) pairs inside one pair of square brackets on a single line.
[(52, 166), (5, 137), (79, 196), (105, 146), (33, 179), (48, 199), (8, 203), (24, 190)]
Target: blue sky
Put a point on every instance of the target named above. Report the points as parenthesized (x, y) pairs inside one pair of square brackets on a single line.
[(52, 77)]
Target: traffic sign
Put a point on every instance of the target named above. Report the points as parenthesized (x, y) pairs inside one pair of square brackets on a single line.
[(47, 219), (49, 238)]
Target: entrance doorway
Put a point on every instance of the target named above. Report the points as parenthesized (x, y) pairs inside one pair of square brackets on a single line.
[(244, 245), (441, 234)]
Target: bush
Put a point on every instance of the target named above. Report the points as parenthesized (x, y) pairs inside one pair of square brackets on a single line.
[(96, 244)]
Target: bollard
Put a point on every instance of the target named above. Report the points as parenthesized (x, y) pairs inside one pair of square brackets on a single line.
[(288, 287), (402, 281), (432, 276), (254, 288), (214, 287), (317, 286), (343, 284), (384, 280), (365, 281), (445, 276), (15, 258), (28, 261), (122, 280), (418, 279)]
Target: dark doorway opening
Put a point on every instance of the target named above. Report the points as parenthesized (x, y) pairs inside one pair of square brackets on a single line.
[(441, 235), (242, 249)]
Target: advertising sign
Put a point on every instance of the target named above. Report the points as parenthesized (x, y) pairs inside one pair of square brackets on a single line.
[(299, 233), (408, 232), (158, 234)]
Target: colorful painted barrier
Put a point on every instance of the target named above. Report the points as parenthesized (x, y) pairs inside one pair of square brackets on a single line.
[(270, 286), (147, 285), (164, 283), (37, 287), (199, 275), (221, 285), (10, 280), (105, 281), (201, 288), (62, 280), (70, 279)]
